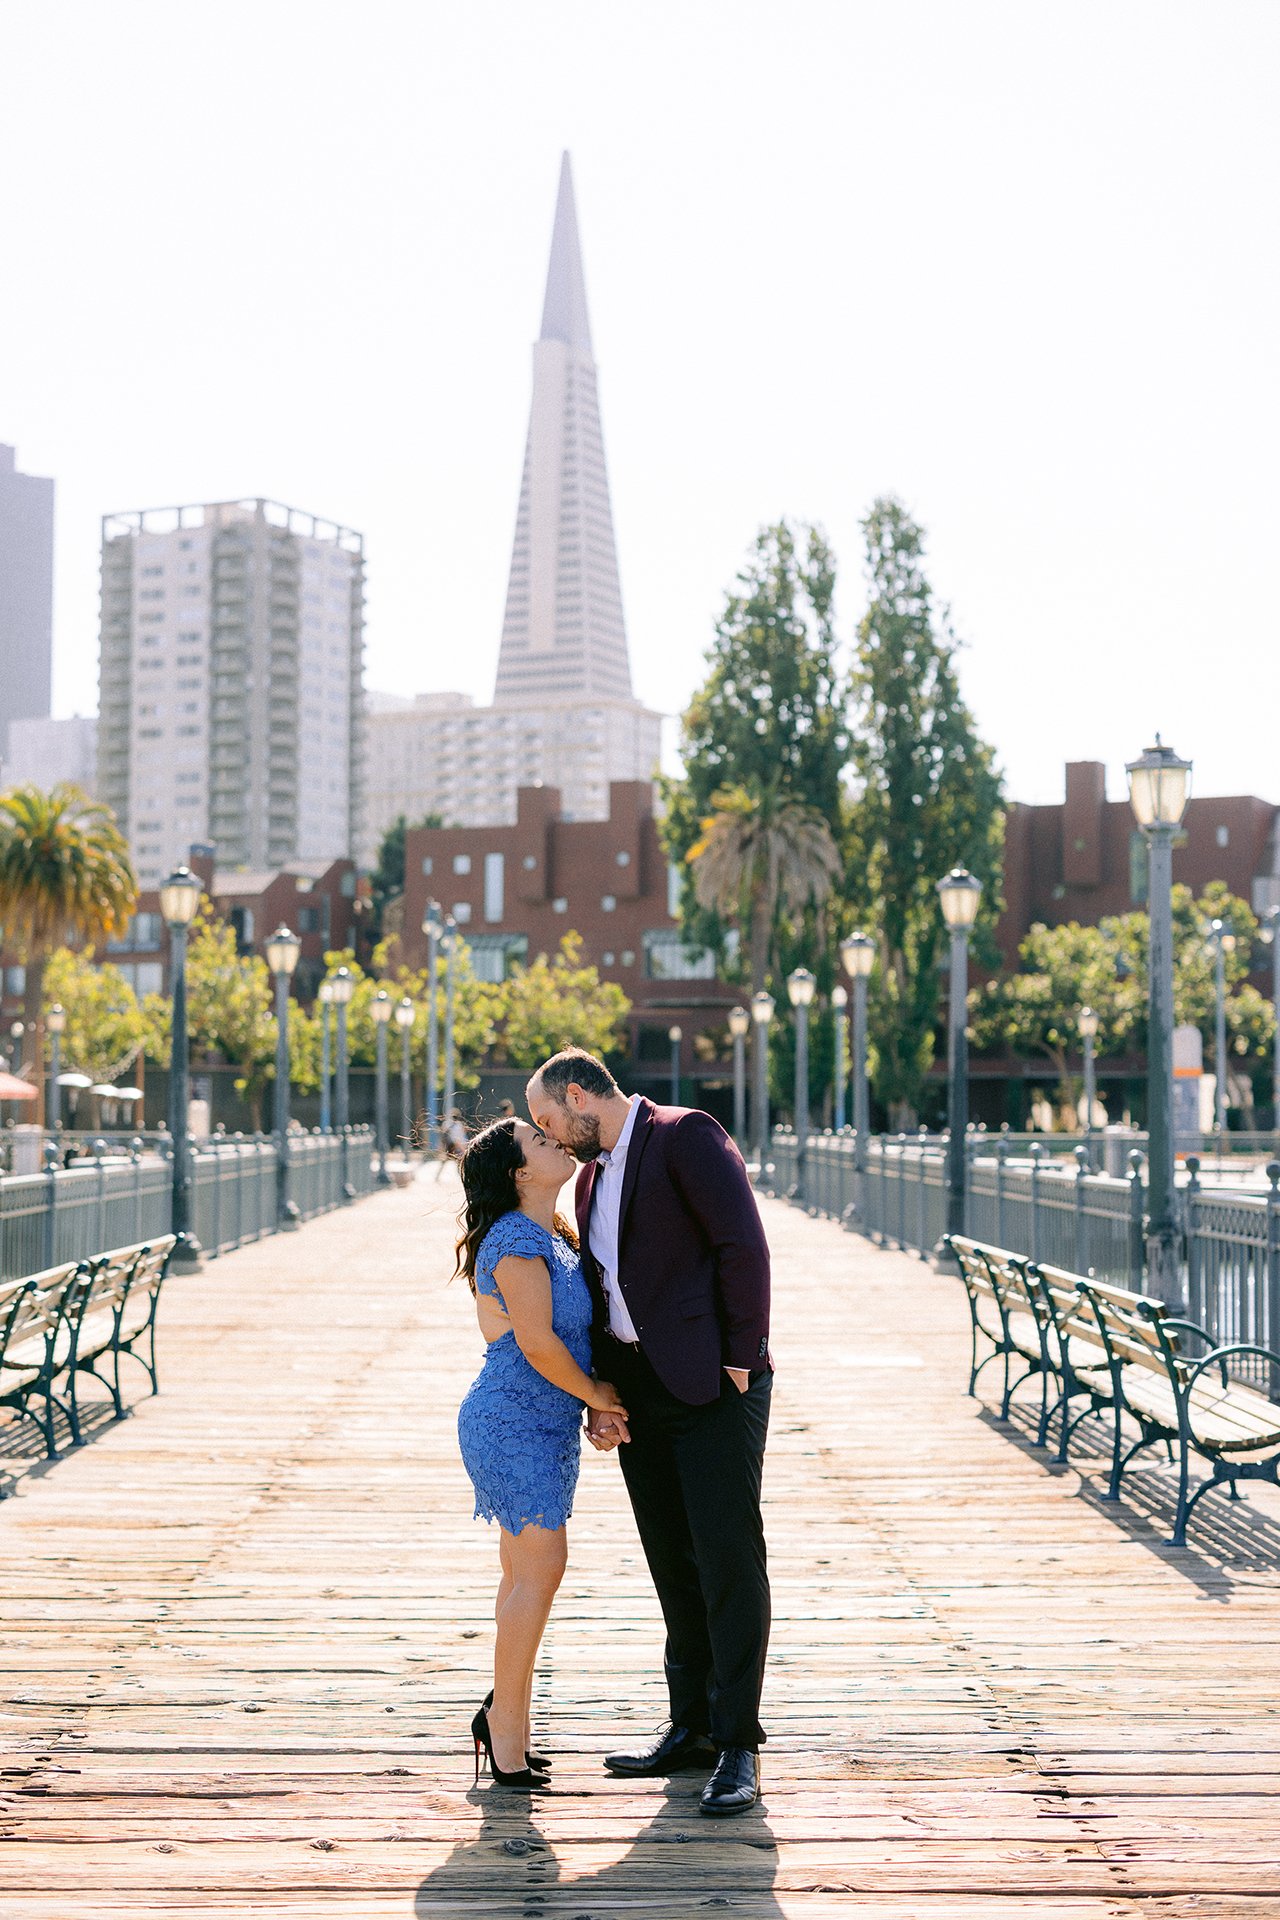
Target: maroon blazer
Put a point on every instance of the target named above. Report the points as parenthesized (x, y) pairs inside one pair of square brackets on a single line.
[(693, 1262)]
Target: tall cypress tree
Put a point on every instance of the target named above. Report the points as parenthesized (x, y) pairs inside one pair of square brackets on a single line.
[(927, 798)]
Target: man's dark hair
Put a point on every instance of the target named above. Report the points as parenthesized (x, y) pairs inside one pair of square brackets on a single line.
[(577, 1065)]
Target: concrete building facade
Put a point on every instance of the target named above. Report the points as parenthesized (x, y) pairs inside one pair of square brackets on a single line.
[(230, 684), (563, 711), (26, 597), (44, 752)]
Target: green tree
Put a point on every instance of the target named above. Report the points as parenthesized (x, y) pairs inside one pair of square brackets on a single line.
[(65, 875), (561, 1002), (105, 1026), (1034, 1013), (767, 725), (477, 1007), (757, 854), (229, 1008), (927, 797)]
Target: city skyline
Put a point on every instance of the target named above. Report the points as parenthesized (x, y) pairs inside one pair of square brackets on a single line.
[(1044, 321)]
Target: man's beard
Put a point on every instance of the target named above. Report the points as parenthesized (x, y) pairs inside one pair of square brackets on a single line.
[(584, 1143)]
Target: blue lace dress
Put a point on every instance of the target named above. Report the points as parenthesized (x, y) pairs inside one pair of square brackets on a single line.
[(520, 1436)]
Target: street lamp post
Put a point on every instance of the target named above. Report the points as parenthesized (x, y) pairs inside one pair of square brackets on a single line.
[(431, 927), (324, 993), (1158, 786), (675, 1036), (1088, 1025), (343, 986), (1223, 942), (739, 1022), (56, 1022), (839, 1001), (16, 1032), (960, 895), (800, 991), (1271, 938), (282, 957), (450, 993), (179, 898), (382, 1010), (404, 1020), (859, 955), (762, 1005)]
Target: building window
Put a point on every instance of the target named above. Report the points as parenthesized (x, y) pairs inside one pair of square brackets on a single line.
[(560, 906), (462, 863), (1224, 836), (607, 903), (606, 959), (530, 862), (150, 977), (494, 954), (15, 982), (628, 957), (623, 859), (494, 885), (427, 864), (241, 919), (309, 919), (462, 911), (674, 880), (667, 956)]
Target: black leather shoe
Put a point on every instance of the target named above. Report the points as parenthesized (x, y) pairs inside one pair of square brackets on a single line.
[(734, 1785), (675, 1747)]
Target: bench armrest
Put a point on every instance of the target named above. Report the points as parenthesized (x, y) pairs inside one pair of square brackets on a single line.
[(1220, 1355)]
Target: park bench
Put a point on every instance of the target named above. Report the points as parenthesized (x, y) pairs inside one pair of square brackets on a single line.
[(81, 1317), (1127, 1357), (35, 1343)]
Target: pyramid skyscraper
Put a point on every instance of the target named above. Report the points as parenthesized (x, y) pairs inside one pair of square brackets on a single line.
[(563, 636), (563, 712)]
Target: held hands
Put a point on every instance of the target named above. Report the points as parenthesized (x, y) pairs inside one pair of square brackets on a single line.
[(606, 1418)]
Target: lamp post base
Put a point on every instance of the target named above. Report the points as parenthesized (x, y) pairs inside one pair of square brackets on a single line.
[(188, 1255), (1164, 1265), (290, 1219)]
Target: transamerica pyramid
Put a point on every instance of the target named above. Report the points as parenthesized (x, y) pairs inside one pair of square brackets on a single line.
[(563, 635)]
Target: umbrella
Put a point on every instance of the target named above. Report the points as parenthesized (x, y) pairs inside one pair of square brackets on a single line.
[(79, 1080), (11, 1088)]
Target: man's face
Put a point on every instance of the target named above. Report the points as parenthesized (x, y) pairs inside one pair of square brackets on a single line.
[(570, 1125)]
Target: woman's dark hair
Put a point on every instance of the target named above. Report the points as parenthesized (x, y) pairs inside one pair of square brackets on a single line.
[(489, 1166)]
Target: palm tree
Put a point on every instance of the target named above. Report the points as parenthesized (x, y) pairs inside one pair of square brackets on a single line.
[(65, 875), (758, 852)]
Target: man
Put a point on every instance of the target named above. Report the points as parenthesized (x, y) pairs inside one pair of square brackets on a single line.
[(678, 1264)]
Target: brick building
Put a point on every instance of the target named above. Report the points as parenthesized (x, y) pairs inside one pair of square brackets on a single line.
[(1085, 858), (515, 891)]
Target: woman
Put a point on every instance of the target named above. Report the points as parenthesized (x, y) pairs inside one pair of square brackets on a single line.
[(519, 1427)]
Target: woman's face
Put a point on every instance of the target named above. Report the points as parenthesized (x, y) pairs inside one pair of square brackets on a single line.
[(548, 1165)]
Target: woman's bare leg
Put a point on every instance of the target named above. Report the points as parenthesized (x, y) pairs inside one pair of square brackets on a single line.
[(537, 1560), (505, 1585)]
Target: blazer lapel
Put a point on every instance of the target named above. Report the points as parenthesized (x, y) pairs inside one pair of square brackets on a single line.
[(635, 1153)]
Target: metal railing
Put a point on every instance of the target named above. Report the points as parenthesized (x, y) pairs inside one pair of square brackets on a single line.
[(1061, 1212), (112, 1199)]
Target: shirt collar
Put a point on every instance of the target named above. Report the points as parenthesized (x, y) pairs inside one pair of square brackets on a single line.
[(618, 1151)]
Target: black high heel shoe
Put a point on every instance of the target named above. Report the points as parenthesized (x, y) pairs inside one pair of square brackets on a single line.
[(540, 1762), (523, 1777)]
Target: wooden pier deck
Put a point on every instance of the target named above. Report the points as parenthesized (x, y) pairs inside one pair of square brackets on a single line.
[(246, 1629)]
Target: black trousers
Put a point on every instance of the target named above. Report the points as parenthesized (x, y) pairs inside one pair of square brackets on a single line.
[(693, 1474)]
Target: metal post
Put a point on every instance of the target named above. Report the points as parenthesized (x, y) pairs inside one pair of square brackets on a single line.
[(802, 1102), (740, 1089), (286, 1210), (1163, 1235), (1137, 1212), (342, 1099), (49, 1255), (958, 1087), (450, 973), (406, 1091), (760, 1095), (840, 1063), (1275, 1045), (1090, 1093), (1273, 1273), (675, 1036), (380, 1107), (1082, 1173), (1220, 1042), (433, 1031), (187, 1253), (1195, 1255), (326, 1114), (54, 1102)]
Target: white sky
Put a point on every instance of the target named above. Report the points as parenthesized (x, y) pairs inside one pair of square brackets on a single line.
[(1015, 260)]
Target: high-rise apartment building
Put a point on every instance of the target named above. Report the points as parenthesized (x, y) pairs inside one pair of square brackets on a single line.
[(46, 752), (26, 595), (230, 684), (563, 713)]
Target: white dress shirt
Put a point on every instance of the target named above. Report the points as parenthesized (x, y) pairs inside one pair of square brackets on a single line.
[(606, 1209)]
